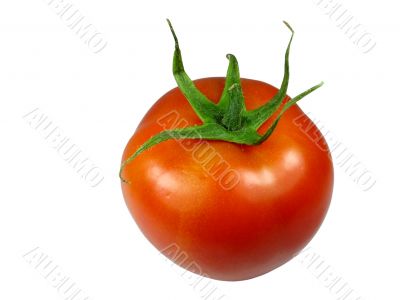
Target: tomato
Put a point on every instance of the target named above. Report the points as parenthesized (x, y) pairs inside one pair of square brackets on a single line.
[(273, 211), (223, 206)]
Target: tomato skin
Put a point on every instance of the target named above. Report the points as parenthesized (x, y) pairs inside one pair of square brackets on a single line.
[(275, 208)]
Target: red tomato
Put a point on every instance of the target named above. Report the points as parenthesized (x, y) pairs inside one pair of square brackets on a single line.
[(234, 226)]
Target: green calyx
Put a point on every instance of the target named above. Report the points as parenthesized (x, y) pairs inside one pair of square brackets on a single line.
[(228, 120)]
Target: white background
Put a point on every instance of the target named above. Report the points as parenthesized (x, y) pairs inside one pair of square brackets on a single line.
[(97, 100)]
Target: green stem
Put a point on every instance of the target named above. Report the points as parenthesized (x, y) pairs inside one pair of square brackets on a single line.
[(228, 120), (206, 110), (259, 115)]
